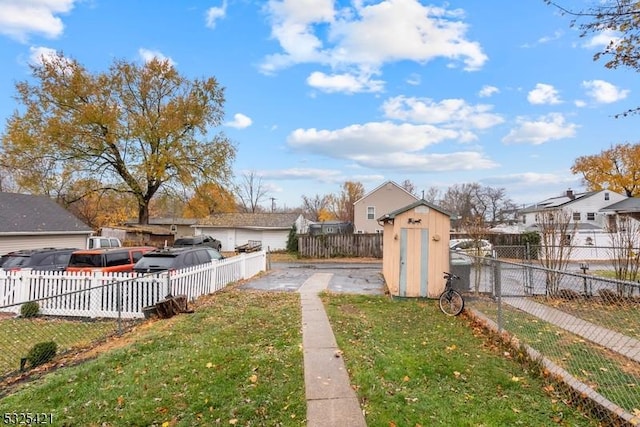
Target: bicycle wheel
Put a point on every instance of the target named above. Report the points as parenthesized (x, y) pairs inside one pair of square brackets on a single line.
[(451, 302)]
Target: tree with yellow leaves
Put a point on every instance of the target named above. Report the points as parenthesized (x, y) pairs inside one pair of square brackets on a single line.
[(134, 129), (208, 199), (616, 169)]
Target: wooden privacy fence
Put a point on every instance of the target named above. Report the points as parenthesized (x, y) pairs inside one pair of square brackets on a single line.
[(340, 245)]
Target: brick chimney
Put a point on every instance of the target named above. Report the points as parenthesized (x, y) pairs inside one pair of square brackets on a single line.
[(570, 194)]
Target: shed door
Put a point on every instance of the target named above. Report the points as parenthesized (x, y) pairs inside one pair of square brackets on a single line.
[(414, 262)]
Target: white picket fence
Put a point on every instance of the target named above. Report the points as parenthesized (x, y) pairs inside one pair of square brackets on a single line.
[(114, 295)]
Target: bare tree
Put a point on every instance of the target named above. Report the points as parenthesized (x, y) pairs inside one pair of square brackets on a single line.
[(250, 192), (433, 195), (476, 229), (557, 232), (409, 186), (624, 233), (315, 207), (341, 206)]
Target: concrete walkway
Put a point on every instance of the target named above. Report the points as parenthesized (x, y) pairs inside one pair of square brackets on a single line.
[(612, 340), (330, 399)]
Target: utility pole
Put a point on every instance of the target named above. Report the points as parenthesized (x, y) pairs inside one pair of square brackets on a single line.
[(273, 204)]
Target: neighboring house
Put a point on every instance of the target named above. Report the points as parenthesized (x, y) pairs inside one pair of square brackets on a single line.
[(380, 201), (586, 208), (32, 222), (330, 227), (235, 229), (587, 212), (628, 207)]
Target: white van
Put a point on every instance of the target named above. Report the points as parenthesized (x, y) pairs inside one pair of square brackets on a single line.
[(100, 242)]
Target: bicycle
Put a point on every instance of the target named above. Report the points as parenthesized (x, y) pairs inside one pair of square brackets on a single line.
[(451, 301)]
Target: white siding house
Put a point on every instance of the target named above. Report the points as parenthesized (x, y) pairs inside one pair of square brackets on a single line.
[(235, 229), (32, 222), (588, 212)]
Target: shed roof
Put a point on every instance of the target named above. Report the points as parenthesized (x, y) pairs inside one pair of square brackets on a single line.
[(421, 202), (26, 213)]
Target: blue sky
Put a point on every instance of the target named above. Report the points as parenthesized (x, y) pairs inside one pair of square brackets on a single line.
[(499, 92)]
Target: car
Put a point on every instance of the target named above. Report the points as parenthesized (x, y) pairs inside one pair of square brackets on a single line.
[(43, 259), (479, 247), (108, 259), (175, 258), (200, 240)]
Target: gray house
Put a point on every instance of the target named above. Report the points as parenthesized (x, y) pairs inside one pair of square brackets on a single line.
[(31, 222)]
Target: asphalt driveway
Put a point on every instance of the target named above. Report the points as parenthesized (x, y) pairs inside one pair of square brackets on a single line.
[(354, 278)]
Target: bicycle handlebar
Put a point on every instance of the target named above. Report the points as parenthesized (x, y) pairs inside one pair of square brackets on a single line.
[(450, 276)]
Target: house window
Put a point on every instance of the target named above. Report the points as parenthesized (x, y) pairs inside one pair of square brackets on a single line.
[(371, 212), (567, 240), (606, 196), (576, 216), (591, 216), (524, 219)]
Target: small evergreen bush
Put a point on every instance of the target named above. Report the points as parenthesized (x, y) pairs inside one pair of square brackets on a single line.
[(30, 309), (42, 352), (292, 240)]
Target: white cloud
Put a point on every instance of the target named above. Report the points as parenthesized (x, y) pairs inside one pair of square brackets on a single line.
[(547, 128), (20, 18), (454, 113), (488, 91), (440, 162), (303, 174), (555, 36), (385, 145), (366, 36), (602, 39), (215, 13), (147, 55), (543, 94), (347, 83), (40, 54), (240, 121), (604, 92)]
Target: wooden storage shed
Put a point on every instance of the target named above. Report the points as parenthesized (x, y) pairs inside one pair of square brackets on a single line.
[(416, 250)]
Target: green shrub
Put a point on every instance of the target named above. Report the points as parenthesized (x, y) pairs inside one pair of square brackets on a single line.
[(292, 240), (30, 309), (42, 352)]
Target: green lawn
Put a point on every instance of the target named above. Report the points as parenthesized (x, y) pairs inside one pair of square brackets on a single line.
[(238, 361), (412, 366)]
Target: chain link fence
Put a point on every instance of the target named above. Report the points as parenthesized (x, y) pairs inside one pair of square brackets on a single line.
[(582, 327), (56, 316)]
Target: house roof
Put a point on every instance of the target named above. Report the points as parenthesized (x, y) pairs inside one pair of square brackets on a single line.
[(25, 214), (382, 186), (631, 204), (560, 201), (273, 220), (166, 221), (421, 202)]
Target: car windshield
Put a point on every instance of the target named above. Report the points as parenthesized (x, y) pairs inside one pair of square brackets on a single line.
[(184, 242)]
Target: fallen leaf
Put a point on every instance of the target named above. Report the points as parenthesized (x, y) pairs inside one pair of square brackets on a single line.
[(253, 378)]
